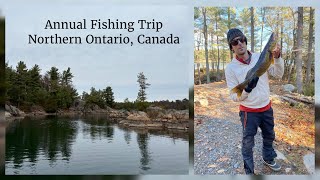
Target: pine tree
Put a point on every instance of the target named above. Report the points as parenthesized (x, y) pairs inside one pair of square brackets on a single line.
[(33, 85), (142, 80), (66, 78), (20, 82), (52, 102), (54, 79), (108, 96), (10, 77), (26, 88), (67, 94)]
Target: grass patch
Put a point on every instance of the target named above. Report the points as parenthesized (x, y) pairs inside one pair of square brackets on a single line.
[(308, 89)]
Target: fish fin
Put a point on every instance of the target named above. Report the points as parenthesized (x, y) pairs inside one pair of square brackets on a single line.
[(238, 89), (272, 59)]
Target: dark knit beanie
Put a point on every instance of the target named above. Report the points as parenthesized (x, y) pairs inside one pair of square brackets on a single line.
[(233, 33)]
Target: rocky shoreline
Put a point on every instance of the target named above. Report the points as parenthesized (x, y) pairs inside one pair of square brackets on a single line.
[(152, 118)]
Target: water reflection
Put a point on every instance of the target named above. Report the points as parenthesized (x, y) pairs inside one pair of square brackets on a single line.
[(66, 143), (98, 127), (127, 136), (143, 139), (28, 138)]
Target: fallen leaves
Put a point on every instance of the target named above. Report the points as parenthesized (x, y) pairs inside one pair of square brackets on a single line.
[(293, 125), (298, 128), (215, 97)]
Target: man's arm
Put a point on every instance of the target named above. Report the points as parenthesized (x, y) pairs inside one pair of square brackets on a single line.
[(233, 82)]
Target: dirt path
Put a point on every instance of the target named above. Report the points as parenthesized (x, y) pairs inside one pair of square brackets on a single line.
[(218, 134)]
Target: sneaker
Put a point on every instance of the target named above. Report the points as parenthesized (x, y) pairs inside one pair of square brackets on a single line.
[(272, 165)]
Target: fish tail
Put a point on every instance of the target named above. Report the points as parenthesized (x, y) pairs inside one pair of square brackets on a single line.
[(238, 89)]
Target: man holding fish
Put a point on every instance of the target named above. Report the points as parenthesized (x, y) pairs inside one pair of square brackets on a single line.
[(248, 82)]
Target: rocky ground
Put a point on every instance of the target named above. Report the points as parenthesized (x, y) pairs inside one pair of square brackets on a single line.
[(218, 134), (153, 117)]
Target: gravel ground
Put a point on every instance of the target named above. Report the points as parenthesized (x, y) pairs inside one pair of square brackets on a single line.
[(217, 149), (218, 137)]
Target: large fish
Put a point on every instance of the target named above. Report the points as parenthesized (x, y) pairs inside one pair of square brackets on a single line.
[(263, 64)]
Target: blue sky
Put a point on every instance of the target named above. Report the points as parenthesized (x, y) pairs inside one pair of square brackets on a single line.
[(167, 67)]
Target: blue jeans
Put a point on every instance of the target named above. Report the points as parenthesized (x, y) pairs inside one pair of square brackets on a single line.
[(250, 123)]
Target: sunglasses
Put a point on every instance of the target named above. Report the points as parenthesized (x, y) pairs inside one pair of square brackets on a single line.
[(236, 41)]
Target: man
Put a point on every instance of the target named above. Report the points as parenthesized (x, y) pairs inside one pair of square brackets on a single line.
[(255, 105)]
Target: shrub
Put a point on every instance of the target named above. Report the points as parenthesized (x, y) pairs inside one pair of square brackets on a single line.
[(308, 89), (141, 106)]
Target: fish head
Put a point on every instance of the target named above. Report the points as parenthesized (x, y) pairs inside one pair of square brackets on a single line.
[(272, 42)]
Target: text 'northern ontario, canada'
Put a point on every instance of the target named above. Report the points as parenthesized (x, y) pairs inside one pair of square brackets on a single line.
[(97, 31)]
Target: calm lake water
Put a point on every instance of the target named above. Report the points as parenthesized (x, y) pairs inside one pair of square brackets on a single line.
[(92, 145)]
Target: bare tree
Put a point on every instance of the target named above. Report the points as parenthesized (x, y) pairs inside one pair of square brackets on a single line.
[(213, 54), (299, 50), (263, 12), (293, 54), (309, 62), (281, 34), (229, 26), (217, 17), (252, 28), (205, 33)]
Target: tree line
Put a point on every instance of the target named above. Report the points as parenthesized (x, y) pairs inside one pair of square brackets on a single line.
[(293, 26), (164, 104), (28, 89)]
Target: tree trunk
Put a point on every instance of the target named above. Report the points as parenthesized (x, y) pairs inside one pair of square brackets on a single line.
[(263, 16), (292, 102), (199, 73), (290, 68), (223, 61), (223, 65), (199, 41), (301, 98), (287, 61), (229, 26), (218, 65), (277, 24), (213, 55), (205, 33), (194, 73), (309, 63), (212, 65), (281, 34), (252, 29), (299, 50), (293, 53)]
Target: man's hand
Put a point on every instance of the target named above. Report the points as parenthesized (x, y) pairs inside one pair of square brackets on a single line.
[(276, 51), (252, 84)]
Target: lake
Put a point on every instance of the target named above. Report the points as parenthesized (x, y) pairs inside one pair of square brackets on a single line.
[(92, 145)]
